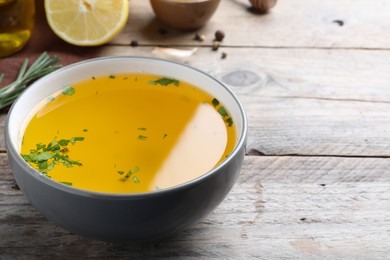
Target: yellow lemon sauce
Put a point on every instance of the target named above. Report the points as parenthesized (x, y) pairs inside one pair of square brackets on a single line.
[(128, 133)]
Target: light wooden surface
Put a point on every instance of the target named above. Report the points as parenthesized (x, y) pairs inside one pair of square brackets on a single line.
[(316, 181)]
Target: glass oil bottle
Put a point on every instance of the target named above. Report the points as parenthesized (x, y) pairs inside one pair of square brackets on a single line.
[(16, 25)]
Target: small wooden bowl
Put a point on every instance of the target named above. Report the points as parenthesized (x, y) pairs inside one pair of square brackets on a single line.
[(184, 15), (263, 5)]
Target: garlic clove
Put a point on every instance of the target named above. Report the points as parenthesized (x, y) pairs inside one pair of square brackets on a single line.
[(181, 55)]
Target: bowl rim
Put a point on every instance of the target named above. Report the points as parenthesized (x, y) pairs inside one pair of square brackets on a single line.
[(11, 149)]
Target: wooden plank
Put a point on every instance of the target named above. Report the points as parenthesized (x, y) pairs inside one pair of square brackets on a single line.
[(288, 169), (290, 24), (5, 170), (281, 207), (335, 24), (283, 126), (320, 171), (317, 127), (302, 101), (307, 102), (307, 73)]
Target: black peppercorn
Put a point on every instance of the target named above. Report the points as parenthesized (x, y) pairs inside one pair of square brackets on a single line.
[(134, 43), (219, 35)]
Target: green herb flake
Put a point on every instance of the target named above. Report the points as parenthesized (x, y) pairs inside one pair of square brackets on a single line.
[(136, 169), (126, 177), (93, 78), (85, 130), (129, 174), (142, 137), (135, 179), (142, 128), (73, 140), (229, 121), (69, 91), (165, 136), (26, 157), (45, 157), (121, 172), (63, 142), (67, 183), (43, 165), (40, 146), (50, 166), (165, 82), (222, 111), (112, 76), (215, 102)]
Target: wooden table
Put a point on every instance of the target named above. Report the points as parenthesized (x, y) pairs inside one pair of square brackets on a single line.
[(314, 77)]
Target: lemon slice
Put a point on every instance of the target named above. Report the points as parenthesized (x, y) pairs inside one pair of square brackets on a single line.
[(87, 22)]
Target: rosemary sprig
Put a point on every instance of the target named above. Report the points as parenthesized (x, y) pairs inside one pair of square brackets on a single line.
[(42, 66)]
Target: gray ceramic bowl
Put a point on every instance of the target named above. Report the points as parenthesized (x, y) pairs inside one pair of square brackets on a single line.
[(122, 217)]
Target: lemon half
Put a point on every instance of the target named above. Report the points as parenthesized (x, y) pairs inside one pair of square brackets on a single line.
[(87, 22)]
